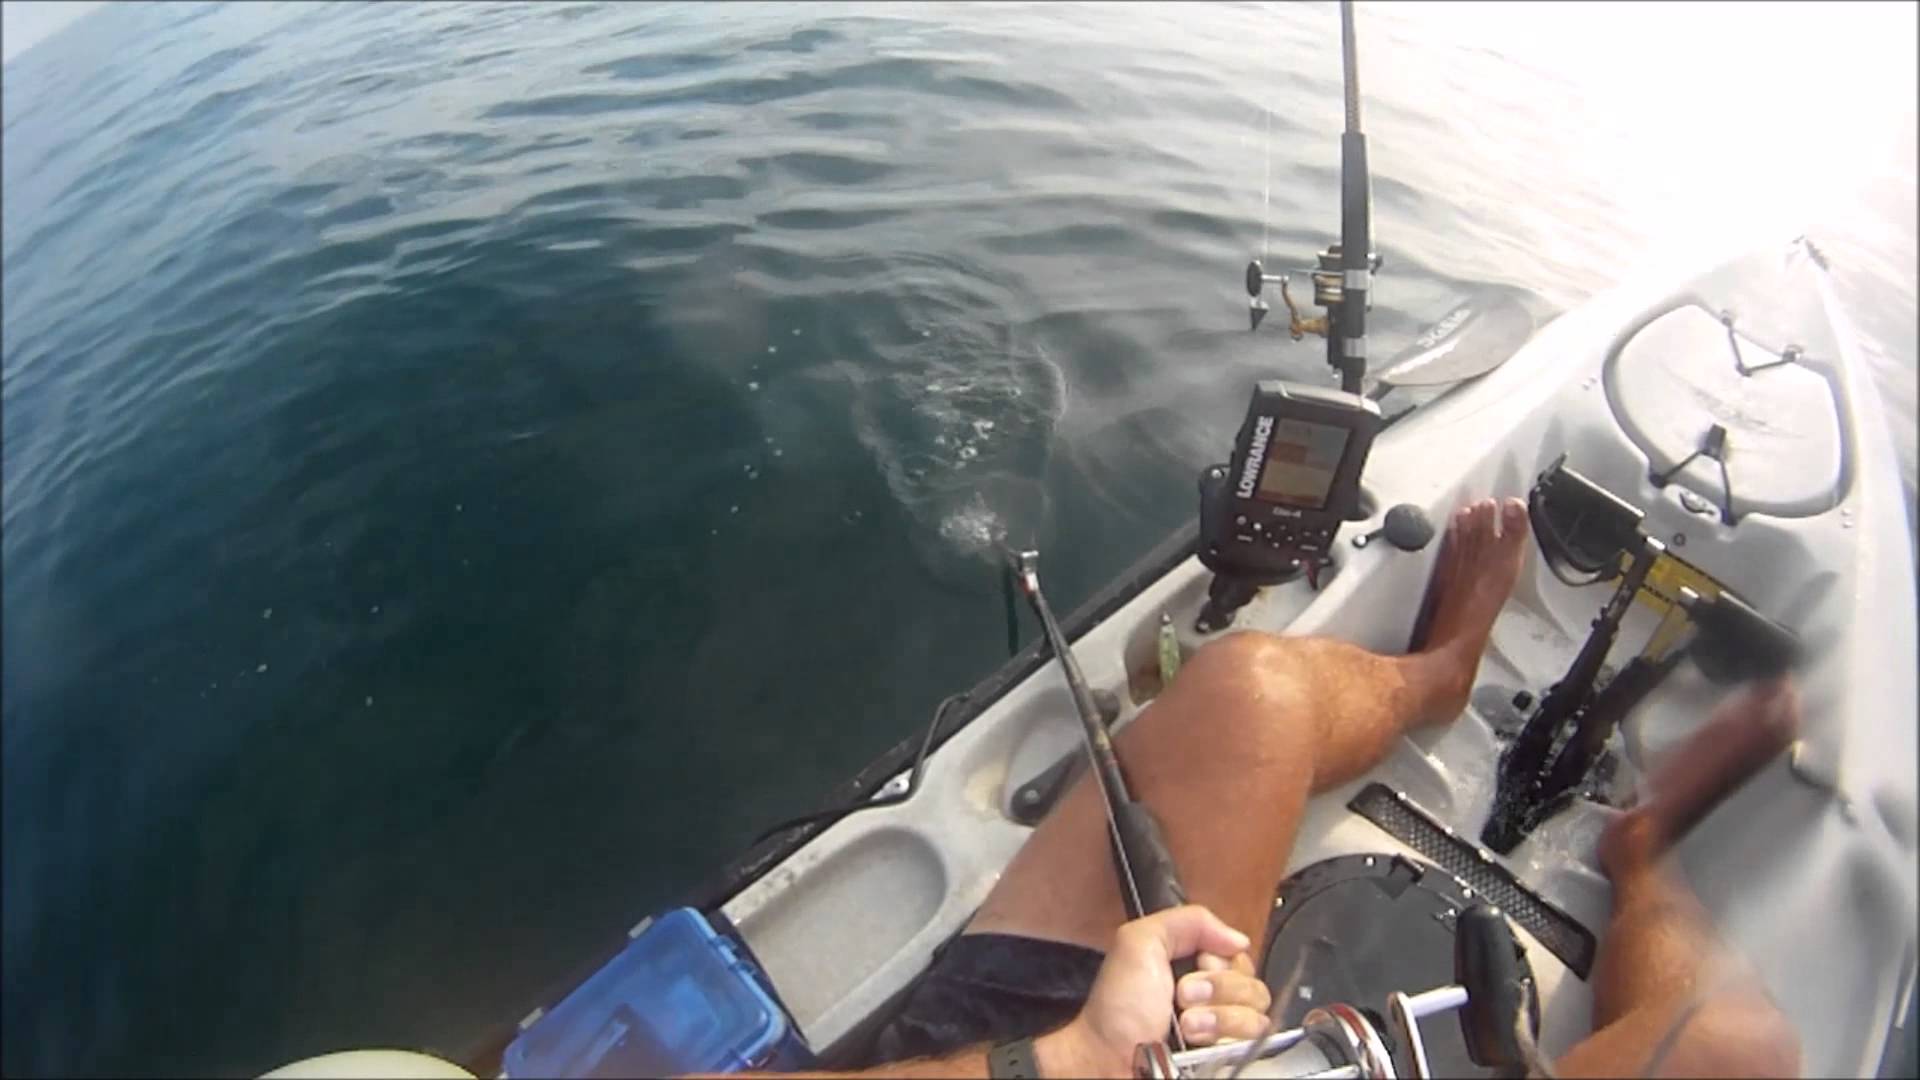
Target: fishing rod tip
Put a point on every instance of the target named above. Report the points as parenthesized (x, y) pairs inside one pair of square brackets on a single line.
[(1024, 565)]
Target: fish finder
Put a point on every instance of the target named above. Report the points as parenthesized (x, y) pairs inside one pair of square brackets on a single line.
[(1271, 513)]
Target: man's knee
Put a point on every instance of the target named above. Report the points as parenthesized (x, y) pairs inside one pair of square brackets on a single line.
[(1242, 649), (1243, 675)]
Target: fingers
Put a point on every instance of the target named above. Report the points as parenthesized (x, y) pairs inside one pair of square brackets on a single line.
[(1222, 1004), (1208, 1025), (1241, 963), (1223, 988), (1182, 931)]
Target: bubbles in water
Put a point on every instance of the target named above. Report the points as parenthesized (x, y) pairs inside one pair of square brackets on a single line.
[(960, 421), (796, 331), (753, 386), (261, 670), (974, 527), (773, 348)]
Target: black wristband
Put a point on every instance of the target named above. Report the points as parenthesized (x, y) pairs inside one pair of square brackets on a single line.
[(1013, 1061)]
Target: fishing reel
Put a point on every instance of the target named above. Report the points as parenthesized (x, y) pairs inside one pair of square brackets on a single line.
[(1329, 289), (1498, 1020)]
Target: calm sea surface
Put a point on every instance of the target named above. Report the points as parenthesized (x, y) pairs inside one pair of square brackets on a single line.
[(469, 467)]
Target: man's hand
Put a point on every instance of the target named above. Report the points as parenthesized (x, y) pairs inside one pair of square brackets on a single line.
[(1132, 998)]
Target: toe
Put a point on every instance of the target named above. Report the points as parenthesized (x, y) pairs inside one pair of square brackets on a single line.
[(1462, 520), (1480, 519), (1513, 519)]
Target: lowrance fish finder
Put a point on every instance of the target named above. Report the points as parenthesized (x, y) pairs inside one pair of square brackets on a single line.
[(1273, 510)]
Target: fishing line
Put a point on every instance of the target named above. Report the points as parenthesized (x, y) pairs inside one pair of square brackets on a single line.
[(1266, 187)]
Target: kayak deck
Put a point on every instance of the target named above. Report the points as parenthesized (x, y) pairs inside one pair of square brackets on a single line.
[(845, 923)]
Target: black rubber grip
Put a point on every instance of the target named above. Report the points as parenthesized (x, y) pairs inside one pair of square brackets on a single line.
[(1153, 870)]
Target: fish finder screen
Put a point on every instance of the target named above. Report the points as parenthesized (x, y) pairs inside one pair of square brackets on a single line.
[(1302, 459)]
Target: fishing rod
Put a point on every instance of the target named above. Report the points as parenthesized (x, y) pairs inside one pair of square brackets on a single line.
[(1149, 881), (1347, 346), (1343, 276)]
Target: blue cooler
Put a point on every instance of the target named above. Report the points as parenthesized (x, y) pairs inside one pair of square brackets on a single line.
[(680, 998)]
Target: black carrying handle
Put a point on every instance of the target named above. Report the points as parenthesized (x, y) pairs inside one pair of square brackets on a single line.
[(1486, 963)]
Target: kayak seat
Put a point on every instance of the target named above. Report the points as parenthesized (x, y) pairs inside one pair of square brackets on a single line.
[(1694, 394)]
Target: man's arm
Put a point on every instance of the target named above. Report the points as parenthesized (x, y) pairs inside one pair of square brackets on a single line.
[(1132, 1002)]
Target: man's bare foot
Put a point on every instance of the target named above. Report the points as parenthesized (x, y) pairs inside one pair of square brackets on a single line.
[(1480, 560), (1748, 730)]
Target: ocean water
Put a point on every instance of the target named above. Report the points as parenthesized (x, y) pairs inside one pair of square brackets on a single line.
[(468, 467)]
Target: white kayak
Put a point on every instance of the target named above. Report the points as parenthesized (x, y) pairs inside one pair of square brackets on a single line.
[(1808, 869)]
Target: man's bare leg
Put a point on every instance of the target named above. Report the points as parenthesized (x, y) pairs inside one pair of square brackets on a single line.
[(1228, 754), (1664, 985)]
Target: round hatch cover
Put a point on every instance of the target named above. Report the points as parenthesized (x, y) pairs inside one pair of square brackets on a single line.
[(1356, 928)]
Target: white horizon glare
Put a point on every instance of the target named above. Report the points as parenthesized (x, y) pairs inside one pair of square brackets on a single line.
[(26, 23)]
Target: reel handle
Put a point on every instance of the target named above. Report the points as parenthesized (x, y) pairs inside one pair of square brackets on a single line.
[(1486, 963)]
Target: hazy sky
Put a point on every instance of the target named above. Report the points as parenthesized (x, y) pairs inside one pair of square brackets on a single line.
[(25, 23)]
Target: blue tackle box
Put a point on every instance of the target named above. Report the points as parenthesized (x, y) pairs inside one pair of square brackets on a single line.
[(680, 998)]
